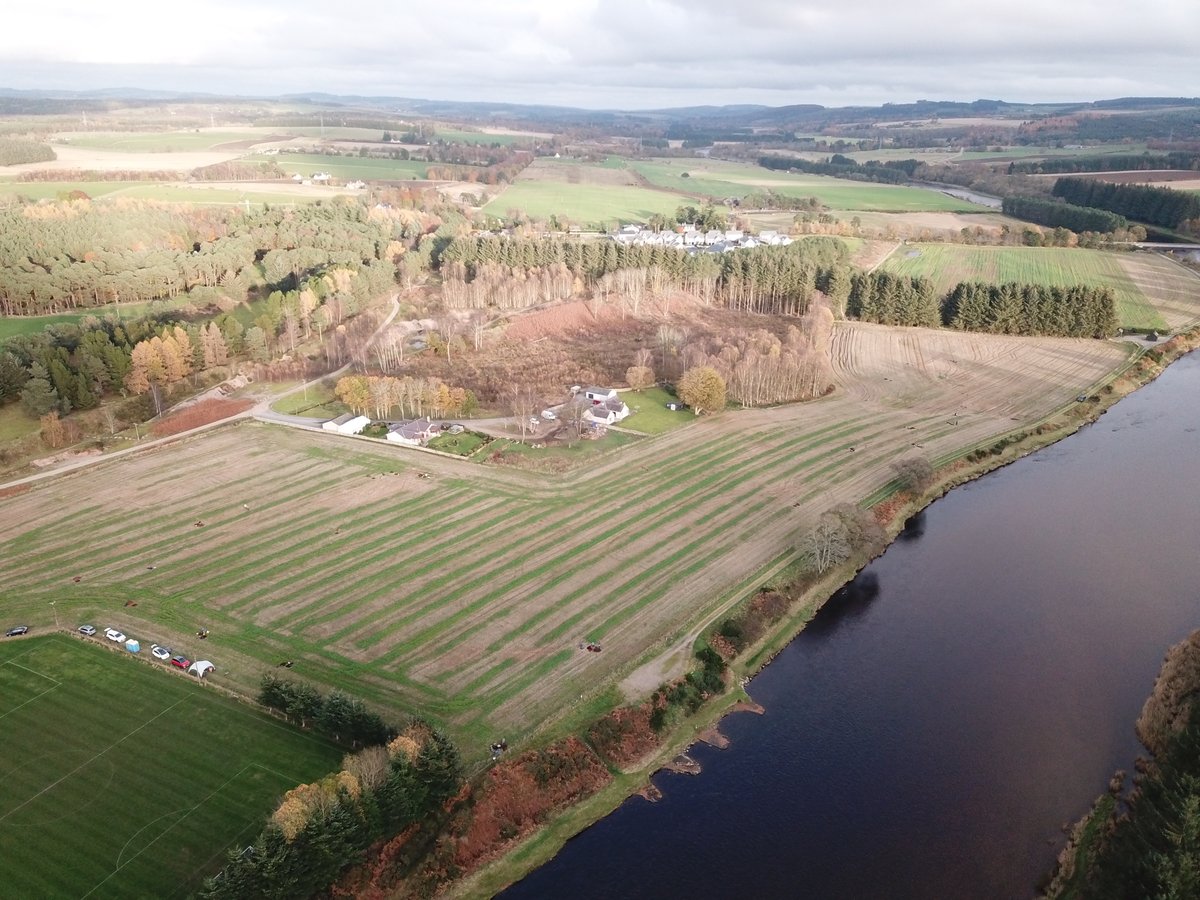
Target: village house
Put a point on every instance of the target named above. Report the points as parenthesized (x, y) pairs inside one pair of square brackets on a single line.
[(416, 433)]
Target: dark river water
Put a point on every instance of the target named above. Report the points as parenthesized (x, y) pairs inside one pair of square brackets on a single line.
[(933, 728)]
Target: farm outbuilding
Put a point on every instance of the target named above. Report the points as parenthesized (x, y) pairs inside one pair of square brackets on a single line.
[(200, 668), (347, 424)]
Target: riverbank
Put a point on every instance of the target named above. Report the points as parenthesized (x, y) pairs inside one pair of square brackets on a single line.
[(964, 465)]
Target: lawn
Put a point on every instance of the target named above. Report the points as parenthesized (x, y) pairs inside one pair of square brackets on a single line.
[(480, 137), (649, 413), (315, 402), (349, 168), (949, 264), (461, 444), (719, 179), (124, 779)]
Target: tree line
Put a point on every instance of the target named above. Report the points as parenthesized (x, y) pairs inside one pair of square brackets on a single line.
[(69, 256), (1031, 309), (320, 829), (1116, 162), (896, 171), (417, 397), (1010, 308), (1154, 205), (15, 151), (762, 279), (1060, 214)]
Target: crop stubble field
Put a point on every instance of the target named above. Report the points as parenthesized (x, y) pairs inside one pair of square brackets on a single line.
[(1151, 290), (463, 595), (106, 764)]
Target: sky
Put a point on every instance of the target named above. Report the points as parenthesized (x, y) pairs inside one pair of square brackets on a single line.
[(629, 54)]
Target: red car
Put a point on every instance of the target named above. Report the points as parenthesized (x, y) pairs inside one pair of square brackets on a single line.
[(180, 662)]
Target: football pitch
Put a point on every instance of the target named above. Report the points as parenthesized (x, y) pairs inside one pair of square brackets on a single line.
[(117, 780)]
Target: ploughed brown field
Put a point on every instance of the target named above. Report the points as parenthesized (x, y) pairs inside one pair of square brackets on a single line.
[(464, 595)]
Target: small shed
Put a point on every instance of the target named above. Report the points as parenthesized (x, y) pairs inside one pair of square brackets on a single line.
[(133, 646), (200, 668)]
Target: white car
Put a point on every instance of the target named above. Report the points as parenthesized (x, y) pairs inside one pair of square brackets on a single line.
[(535, 422), (163, 653), (549, 415), (113, 635)]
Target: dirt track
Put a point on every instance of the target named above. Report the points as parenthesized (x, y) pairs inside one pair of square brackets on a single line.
[(464, 594)]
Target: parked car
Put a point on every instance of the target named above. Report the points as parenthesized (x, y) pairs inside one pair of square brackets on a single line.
[(87, 630), (534, 422), (115, 636), (549, 415), (17, 631), (160, 652), (180, 662)]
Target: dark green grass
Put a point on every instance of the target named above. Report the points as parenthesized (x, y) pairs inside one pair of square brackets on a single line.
[(123, 779)]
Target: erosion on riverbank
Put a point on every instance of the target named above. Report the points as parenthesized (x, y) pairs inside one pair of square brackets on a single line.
[(1147, 843), (638, 756)]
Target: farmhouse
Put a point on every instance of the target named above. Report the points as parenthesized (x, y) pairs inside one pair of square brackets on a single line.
[(415, 433), (347, 423), (606, 407)]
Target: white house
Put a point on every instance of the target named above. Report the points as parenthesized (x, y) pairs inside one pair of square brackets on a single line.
[(356, 185), (607, 408), (320, 176), (415, 434), (346, 423)]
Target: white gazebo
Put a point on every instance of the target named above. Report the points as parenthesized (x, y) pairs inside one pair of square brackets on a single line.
[(200, 668)]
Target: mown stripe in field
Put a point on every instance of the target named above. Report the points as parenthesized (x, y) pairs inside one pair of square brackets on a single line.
[(684, 481)]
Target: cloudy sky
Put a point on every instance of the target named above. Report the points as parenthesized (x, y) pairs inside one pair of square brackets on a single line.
[(613, 53)]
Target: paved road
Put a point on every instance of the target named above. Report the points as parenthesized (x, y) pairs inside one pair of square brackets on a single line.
[(261, 411)]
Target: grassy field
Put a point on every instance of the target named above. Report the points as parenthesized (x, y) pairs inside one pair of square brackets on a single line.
[(14, 325), (15, 422), (352, 167), (123, 781), (1139, 293), (464, 594), (154, 141), (480, 137), (150, 190), (595, 196), (649, 413), (719, 179)]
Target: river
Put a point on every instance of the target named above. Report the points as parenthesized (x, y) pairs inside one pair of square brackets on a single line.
[(930, 732)]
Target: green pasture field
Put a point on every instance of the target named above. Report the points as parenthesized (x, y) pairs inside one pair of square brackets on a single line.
[(14, 325), (718, 178), (948, 264), (649, 413), (462, 444), (124, 779), (596, 206), (451, 135), (350, 168), (149, 190), (154, 141)]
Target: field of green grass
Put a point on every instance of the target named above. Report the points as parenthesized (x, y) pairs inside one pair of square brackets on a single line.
[(123, 779), (948, 264), (352, 167), (649, 413), (15, 422), (153, 141), (451, 135), (14, 325), (718, 178), (149, 190), (595, 206)]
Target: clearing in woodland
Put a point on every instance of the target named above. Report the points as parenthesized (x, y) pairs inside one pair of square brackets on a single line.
[(1151, 291), (428, 584), (123, 781)]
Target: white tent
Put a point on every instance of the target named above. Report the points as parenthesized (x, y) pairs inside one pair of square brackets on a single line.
[(201, 668), (133, 646)]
